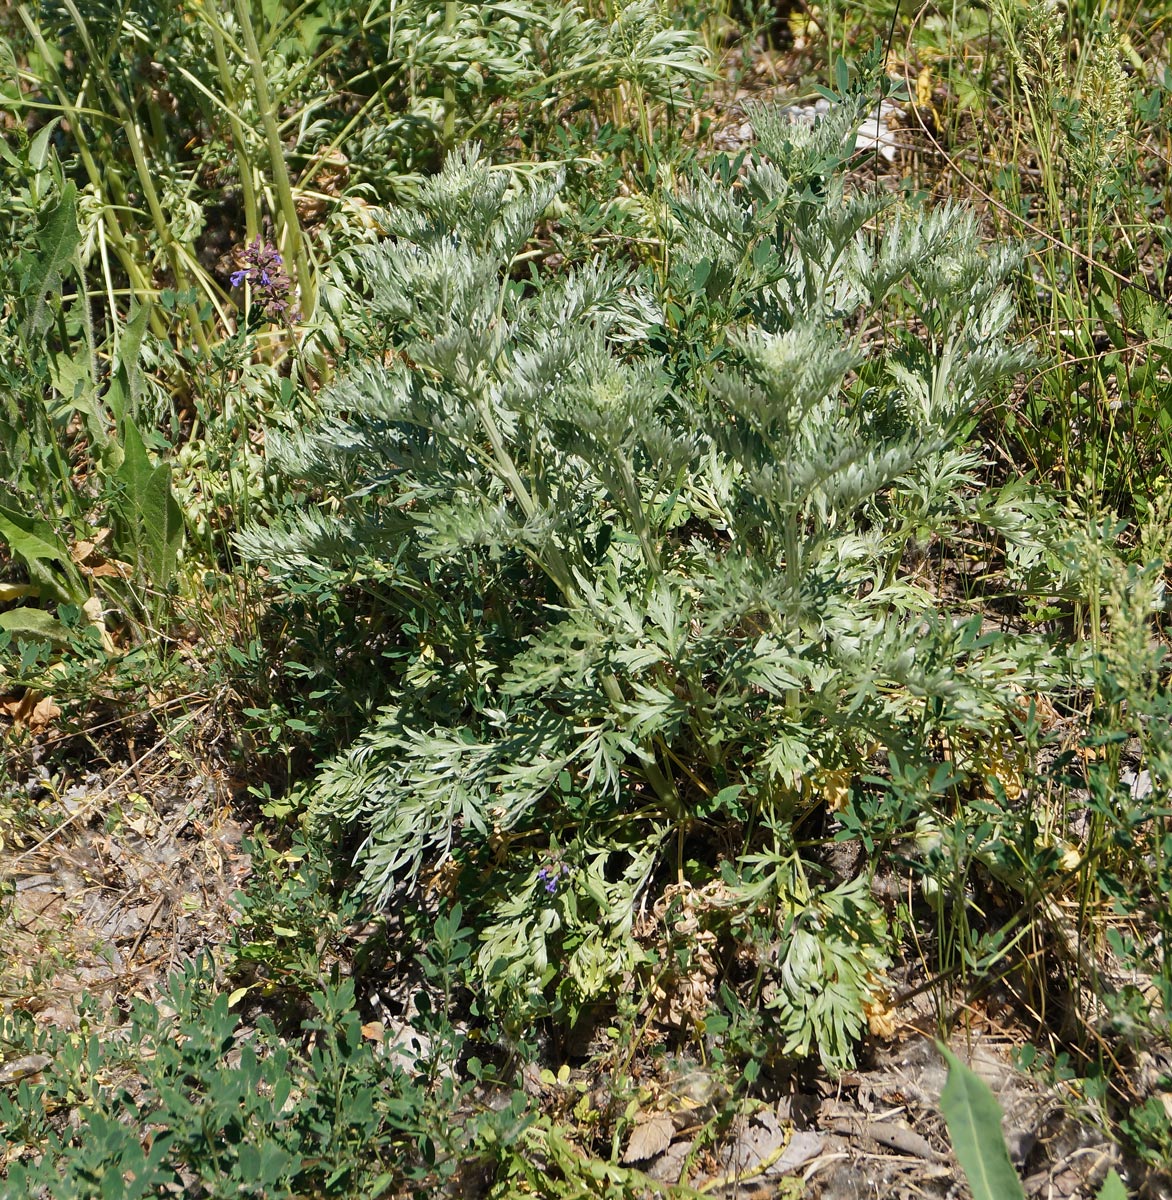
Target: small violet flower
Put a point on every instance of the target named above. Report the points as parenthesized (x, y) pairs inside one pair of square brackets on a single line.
[(263, 267), (552, 875)]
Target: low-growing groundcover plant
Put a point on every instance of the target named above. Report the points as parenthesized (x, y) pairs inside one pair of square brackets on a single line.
[(189, 1100), (644, 543)]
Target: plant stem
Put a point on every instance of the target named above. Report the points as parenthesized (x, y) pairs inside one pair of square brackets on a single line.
[(239, 145), (449, 135)]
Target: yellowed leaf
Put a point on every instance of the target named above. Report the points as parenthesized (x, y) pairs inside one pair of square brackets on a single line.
[(835, 786), (16, 591)]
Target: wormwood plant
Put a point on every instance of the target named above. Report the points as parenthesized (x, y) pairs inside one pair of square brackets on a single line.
[(640, 546)]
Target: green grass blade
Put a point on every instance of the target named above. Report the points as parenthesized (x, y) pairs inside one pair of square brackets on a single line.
[(974, 1124)]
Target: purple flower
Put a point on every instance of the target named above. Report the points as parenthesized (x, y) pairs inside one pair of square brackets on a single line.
[(552, 875), (263, 268)]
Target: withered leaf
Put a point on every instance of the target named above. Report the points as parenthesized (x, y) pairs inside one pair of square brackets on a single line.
[(32, 710), (651, 1136)]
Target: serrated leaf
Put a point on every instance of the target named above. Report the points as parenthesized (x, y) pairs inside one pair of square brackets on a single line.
[(129, 373), (57, 241), (973, 1118), (150, 522)]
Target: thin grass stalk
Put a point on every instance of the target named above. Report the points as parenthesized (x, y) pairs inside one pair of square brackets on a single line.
[(239, 144), (449, 135), (163, 228), (142, 170), (100, 180)]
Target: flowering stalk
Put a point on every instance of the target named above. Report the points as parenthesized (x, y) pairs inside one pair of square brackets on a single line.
[(292, 225), (264, 270)]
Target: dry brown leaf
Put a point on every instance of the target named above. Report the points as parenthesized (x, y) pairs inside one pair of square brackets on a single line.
[(669, 1166), (1044, 712), (44, 713), (109, 569), (759, 1140), (81, 552), (89, 557), (32, 711), (651, 1136)]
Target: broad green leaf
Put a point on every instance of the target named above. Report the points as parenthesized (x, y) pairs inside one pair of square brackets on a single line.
[(974, 1124), (1112, 1188), (57, 242), (43, 554), (34, 623), (149, 523), (31, 540), (38, 149)]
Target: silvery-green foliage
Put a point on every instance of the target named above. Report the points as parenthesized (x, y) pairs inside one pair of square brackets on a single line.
[(642, 597), (530, 51)]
